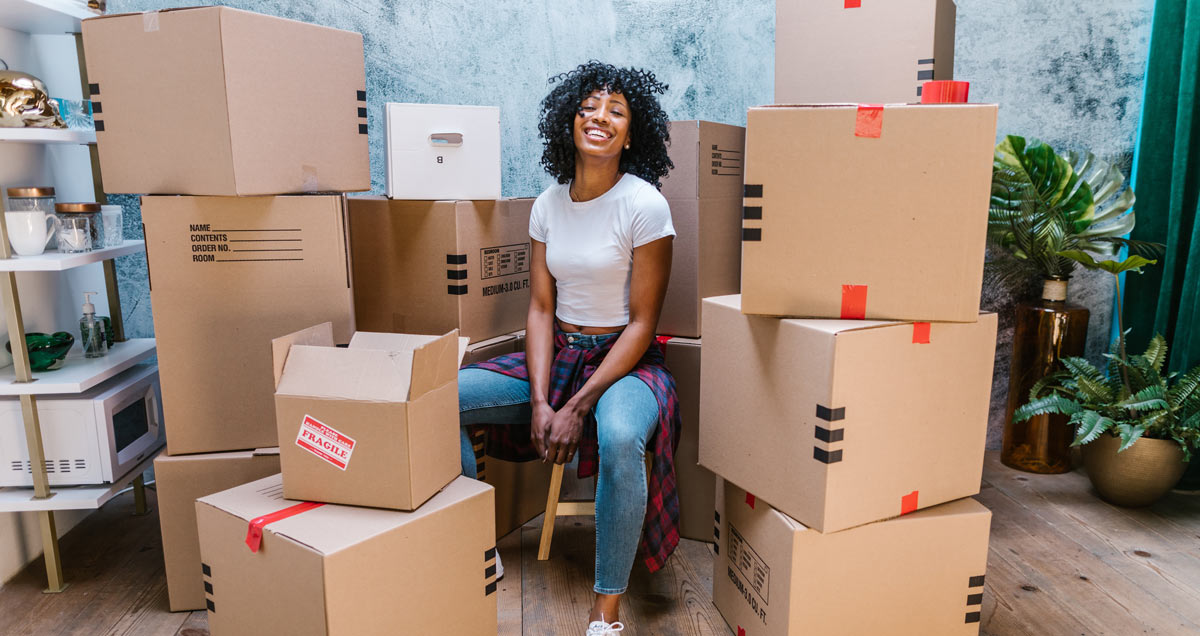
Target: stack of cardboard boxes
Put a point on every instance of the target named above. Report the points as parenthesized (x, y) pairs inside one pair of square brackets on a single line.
[(845, 391), (245, 132)]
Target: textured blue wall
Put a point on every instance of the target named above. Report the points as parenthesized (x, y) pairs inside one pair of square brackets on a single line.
[(1070, 73)]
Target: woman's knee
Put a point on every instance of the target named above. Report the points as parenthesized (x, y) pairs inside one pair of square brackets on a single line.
[(625, 417)]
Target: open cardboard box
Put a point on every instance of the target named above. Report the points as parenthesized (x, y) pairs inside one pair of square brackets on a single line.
[(373, 424)]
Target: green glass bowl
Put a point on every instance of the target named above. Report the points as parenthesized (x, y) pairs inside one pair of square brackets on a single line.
[(46, 351)]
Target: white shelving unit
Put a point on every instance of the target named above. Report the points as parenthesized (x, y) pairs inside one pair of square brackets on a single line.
[(78, 373), (70, 497), (44, 17), (44, 23), (51, 261), (47, 135)]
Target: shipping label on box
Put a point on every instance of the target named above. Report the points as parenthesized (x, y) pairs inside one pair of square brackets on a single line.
[(180, 98), (923, 573), (852, 51), (274, 566), (181, 480), (440, 152), (228, 275), (881, 213), (374, 424), (429, 267), (855, 421)]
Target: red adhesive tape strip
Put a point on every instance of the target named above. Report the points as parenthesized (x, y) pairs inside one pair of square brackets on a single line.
[(921, 332), (908, 503), (853, 4), (854, 302), (255, 532), (741, 632), (750, 500), (662, 343), (868, 121), (945, 92)]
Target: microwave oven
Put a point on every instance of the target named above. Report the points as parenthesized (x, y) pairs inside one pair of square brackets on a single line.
[(89, 438)]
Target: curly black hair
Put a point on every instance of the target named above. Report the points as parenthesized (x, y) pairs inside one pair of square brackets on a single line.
[(648, 126)]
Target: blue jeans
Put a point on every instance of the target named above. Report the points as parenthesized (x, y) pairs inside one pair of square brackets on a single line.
[(626, 416)]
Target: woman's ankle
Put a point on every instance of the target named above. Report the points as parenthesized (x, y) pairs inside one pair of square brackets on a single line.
[(606, 608)]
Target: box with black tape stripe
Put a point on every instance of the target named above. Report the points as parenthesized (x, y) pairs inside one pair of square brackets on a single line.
[(276, 566), (428, 267), (918, 574), (861, 51), (838, 423), (219, 101)]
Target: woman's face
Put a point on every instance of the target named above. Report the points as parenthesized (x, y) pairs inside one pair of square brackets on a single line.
[(602, 125)]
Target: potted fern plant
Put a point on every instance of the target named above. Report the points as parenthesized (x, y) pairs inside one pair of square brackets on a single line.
[(1137, 425), (1045, 204)]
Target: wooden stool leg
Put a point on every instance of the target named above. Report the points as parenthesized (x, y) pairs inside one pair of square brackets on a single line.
[(556, 476)]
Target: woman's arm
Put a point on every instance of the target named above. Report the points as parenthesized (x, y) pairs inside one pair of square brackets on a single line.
[(539, 344), (647, 287)]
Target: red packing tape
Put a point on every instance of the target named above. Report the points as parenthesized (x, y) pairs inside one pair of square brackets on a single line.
[(854, 302), (945, 92), (255, 532), (662, 343), (921, 333), (868, 121), (750, 500), (741, 632), (908, 503), (853, 4)]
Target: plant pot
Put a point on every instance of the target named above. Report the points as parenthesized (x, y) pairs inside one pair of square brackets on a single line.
[(1138, 476), (1045, 331)]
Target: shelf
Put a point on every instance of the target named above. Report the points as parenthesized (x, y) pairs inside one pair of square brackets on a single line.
[(51, 261), (15, 499), (44, 16), (78, 373), (46, 135)]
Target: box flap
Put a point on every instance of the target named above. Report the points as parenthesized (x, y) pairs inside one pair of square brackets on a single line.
[(330, 528), (265, 452), (369, 375), (122, 15), (318, 335), (435, 358), (826, 325)]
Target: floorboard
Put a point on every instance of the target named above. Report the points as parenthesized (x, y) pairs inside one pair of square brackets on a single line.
[(1061, 562)]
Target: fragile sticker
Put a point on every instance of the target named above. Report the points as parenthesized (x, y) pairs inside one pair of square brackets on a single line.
[(325, 442)]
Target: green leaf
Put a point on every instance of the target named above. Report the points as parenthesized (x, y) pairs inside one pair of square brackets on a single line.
[(1089, 380), (1129, 434), (1148, 399), (1156, 352), (1185, 387), (1090, 425), (1053, 403), (1132, 263)]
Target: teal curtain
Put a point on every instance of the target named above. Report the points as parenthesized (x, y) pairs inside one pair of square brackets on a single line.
[(1166, 298)]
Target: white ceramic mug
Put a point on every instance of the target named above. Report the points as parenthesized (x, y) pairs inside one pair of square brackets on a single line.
[(30, 232)]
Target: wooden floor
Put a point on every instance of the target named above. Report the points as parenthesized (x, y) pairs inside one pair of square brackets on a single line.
[(1061, 562)]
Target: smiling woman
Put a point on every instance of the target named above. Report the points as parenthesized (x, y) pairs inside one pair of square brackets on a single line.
[(591, 379)]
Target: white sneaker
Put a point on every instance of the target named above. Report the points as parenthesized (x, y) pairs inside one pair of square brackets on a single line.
[(600, 628), (499, 567)]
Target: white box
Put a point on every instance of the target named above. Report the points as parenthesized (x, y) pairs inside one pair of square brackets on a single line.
[(436, 151)]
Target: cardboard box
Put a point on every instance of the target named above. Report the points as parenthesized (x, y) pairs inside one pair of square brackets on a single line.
[(373, 424), (432, 266), (435, 151), (217, 101), (918, 574), (219, 299), (843, 225), (696, 484), (705, 194), (873, 52), (179, 481), (838, 423), (521, 487), (347, 571)]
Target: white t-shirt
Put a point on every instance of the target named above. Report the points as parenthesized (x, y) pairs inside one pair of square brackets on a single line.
[(589, 246)]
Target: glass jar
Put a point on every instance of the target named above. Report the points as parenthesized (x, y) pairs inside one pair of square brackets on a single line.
[(31, 200), (113, 225), (68, 213)]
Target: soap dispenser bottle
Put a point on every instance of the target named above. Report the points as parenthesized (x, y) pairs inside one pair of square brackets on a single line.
[(91, 329)]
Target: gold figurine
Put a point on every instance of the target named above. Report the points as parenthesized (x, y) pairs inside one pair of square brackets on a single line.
[(24, 102)]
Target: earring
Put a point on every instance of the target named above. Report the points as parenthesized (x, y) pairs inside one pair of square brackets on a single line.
[(627, 146)]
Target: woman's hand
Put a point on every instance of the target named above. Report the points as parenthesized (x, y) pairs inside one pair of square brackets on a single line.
[(543, 414), (565, 430)]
